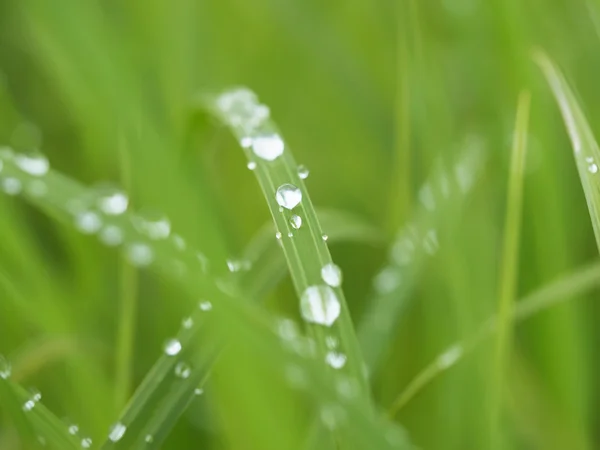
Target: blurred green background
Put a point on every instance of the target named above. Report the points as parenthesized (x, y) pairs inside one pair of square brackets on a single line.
[(369, 95)]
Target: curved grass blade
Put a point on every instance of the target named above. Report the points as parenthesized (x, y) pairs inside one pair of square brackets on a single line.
[(571, 286), (585, 146), (322, 303), (441, 198), (510, 263), (35, 422)]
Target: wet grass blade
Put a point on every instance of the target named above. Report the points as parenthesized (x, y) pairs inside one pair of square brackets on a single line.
[(572, 286)]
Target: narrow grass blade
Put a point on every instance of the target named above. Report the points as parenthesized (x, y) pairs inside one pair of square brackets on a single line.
[(580, 282), (33, 419), (440, 197), (510, 264), (585, 146), (321, 298)]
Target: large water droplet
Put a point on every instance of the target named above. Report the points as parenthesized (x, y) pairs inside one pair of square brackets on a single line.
[(153, 224), (593, 168), (335, 359), (331, 274), (88, 222), (86, 442), (172, 347), (139, 254), (12, 186), (303, 172), (117, 431), (111, 200), (5, 368), (269, 147), (296, 221), (182, 370), (288, 196), (33, 163), (111, 235), (320, 305)]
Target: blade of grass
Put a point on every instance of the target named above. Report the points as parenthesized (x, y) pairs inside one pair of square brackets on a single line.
[(305, 250), (510, 263), (571, 286)]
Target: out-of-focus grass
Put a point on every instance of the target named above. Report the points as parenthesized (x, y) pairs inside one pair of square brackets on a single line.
[(370, 95)]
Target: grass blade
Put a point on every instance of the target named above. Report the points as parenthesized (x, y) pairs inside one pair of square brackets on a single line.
[(510, 257)]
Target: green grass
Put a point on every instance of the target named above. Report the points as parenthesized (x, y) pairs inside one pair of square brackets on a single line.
[(467, 315)]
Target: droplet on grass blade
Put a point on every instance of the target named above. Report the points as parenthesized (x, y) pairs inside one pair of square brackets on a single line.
[(88, 222), (86, 442), (303, 172), (187, 323), (140, 254), (111, 200), (73, 429), (269, 147), (288, 196), (117, 431), (34, 163), (182, 370), (111, 235), (12, 186), (335, 360), (5, 368), (331, 274), (296, 222), (153, 224), (205, 305), (320, 305), (149, 439), (172, 347), (251, 165)]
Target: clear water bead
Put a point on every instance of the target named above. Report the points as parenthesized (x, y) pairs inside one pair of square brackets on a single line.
[(205, 305), (140, 254), (593, 168), (325, 237), (251, 165), (117, 431), (269, 147), (88, 222), (182, 370), (153, 224), (73, 429), (187, 323), (335, 360), (331, 274), (288, 196), (86, 442), (303, 172), (12, 186), (296, 222), (111, 200), (34, 163), (5, 368), (111, 235), (320, 305), (172, 347), (278, 235)]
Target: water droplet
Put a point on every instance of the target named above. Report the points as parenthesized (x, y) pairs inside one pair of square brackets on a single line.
[(278, 235), (73, 429), (172, 347), (387, 280), (37, 188), (33, 163), (111, 200), (111, 235), (325, 237), (303, 172), (430, 242), (182, 370), (450, 356), (296, 222), (269, 147), (36, 396), (331, 342), (179, 242), (205, 305), (187, 323), (593, 168), (12, 186), (5, 368), (246, 142), (139, 254), (198, 391), (331, 274), (335, 359), (153, 224), (28, 405), (86, 442), (320, 305), (589, 159), (287, 329), (149, 439), (288, 196), (117, 431), (236, 265), (290, 234), (251, 165), (88, 222)]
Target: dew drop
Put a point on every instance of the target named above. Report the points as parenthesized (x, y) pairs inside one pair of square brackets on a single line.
[(28, 405), (278, 235), (288, 196), (303, 172), (33, 163), (237, 265), (5, 368), (331, 274), (12, 186), (111, 200), (153, 224), (36, 396), (335, 360), (325, 237), (139, 254), (73, 429), (88, 222), (86, 442), (320, 305), (246, 142), (117, 431), (296, 222), (198, 391), (111, 235), (251, 165), (593, 168), (182, 370), (589, 159), (205, 305), (149, 439), (172, 347), (187, 323), (269, 147), (290, 234)]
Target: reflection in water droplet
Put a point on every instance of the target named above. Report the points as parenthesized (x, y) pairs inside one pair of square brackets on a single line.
[(320, 305), (88, 222), (296, 222), (303, 172), (5, 368), (331, 274), (251, 165), (111, 200), (153, 224), (325, 237), (269, 147), (34, 163), (28, 405), (335, 359), (182, 370), (117, 431), (288, 196), (290, 234), (205, 305), (172, 347), (111, 235), (12, 186), (139, 254)]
